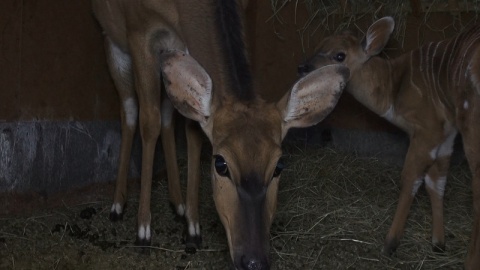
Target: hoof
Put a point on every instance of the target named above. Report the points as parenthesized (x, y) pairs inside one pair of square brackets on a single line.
[(116, 213), (192, 243), (114, 216), (438, 248), (180, 219), (144, 245), (390, 247), (179, 210), (88, 213), (190, 250)]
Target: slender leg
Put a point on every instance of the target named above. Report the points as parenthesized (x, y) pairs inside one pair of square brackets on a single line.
[(471, 143), (472, 151), (194, 142), (417, 162), (168, 142), (435, 181), (119, 64), (147, 85)]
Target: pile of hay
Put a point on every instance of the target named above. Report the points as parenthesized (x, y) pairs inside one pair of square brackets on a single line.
[(339, 207), (334, 210), (333, 16)]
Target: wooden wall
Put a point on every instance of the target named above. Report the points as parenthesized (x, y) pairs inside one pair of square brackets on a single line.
[(52, 60), (52, 63)]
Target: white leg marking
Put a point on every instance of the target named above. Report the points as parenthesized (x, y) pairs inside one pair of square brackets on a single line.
[(194, 229), (141, 232), (465, 105), (144, 232), (148, 233), (446, 148), (131, 112), (191, 229), (117, 208), (416, 186), (197, 228), (438, 186), (441, 183), (122, 60), (181, 210)]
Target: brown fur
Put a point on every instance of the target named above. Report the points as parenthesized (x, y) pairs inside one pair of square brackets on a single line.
[(179, 40), (431, 93)]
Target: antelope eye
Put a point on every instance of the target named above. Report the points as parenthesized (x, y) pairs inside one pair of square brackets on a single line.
[(279, 168), (221, 166), (340, 57)]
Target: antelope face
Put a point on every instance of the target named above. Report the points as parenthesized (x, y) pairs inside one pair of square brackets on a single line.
[(246, 168), (348, 50), (246, 137), (342, 49)]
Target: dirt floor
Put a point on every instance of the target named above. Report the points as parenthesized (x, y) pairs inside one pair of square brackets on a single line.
[(334, 210)]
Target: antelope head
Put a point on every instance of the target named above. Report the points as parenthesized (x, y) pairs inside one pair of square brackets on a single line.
[(246, 136), (348, 50)]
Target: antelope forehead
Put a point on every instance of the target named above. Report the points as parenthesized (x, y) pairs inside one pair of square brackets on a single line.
[(255, 143), (335, 43), (246, 130)]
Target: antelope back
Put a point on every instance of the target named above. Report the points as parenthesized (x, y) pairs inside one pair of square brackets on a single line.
[(447, 68)]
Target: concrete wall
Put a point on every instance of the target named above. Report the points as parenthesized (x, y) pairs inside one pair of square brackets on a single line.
[(48, 156)]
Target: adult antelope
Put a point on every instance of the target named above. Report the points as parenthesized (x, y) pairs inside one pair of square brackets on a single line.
[(432, 93), (198, 48)]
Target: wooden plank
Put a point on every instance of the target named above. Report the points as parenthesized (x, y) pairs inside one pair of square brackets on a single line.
[(10, 53), (416, 7), (64, 71)]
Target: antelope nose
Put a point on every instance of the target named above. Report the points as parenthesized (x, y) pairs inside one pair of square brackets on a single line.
[(254, 264), (304, 69)]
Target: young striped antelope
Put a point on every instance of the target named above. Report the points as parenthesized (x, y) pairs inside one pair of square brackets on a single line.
[(198, 49), (432, 93)]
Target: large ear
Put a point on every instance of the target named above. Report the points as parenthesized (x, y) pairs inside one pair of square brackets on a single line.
[(188, 85), (378, 35), (313, 97)]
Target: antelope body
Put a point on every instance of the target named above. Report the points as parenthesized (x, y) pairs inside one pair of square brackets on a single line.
[(432, 93), (197, 48)]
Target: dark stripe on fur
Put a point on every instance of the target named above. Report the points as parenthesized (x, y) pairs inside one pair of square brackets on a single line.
[(231, 36)]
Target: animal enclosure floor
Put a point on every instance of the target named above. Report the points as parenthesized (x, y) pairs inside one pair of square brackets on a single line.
[(334, 210)]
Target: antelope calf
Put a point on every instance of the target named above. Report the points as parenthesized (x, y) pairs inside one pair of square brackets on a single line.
[(432, 93), (198, 49)]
